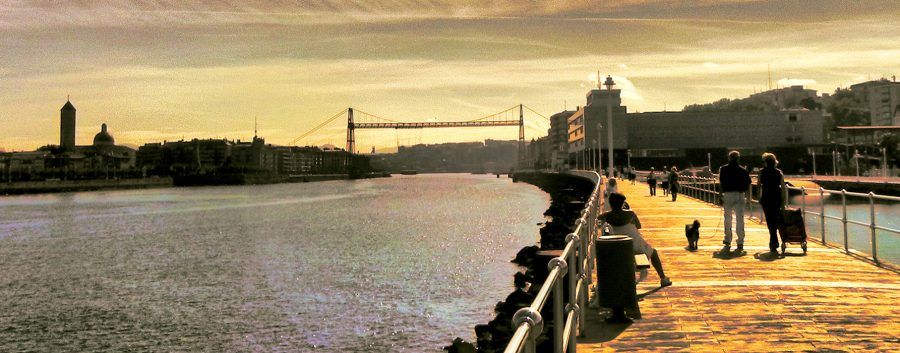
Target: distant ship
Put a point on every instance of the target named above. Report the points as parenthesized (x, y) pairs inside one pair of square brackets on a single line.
[(409, 172)]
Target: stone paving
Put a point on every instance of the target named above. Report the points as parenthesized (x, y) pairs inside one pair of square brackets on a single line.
[(825, 301)]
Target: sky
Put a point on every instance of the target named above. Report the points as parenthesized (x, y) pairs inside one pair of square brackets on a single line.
[(167, 70)]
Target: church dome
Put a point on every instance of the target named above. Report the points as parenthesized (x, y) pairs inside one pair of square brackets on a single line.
[(103, 138)]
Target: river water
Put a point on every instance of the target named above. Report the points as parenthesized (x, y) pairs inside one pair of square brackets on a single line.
[(401, 264), (887, 214)]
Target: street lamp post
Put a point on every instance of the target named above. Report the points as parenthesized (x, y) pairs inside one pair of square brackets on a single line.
[(709, 160), (814, 163), (884, 165), (629, 160), (834, 162), (600, 148)]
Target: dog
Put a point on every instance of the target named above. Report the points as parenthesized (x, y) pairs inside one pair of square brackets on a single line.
[(692, 233)]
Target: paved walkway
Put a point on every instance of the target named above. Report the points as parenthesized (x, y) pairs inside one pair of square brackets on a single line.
[(826, 301)]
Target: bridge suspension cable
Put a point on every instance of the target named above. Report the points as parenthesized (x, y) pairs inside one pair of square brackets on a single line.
[(536, 112), (318, 127)]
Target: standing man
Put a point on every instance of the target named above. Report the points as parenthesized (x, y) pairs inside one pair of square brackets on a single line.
[(651, 181), (734, 181)]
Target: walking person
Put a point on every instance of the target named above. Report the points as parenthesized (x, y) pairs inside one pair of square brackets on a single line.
[(664, 175), (626, 222), (771, 197), (651, 180), (734, 182), (673, 183)]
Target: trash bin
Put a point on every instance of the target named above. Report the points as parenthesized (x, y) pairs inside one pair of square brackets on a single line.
[(615, 275)]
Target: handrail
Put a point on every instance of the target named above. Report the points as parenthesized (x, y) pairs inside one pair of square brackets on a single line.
[(574, 267), (705, 189)]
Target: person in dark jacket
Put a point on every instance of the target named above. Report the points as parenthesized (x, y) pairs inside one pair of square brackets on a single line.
[(734, 182), (673, 183), (771, 198), (651, 180)]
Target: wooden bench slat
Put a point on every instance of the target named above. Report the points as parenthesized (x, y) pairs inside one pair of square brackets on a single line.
[(641, 262)]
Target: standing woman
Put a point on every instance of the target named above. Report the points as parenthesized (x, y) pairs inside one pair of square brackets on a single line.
[(651, 180), (673, 183), (770, 181)]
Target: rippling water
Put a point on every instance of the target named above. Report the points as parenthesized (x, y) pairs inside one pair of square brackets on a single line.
[(403, 264)]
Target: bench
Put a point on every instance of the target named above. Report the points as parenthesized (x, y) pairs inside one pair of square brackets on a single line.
[(641, 265)]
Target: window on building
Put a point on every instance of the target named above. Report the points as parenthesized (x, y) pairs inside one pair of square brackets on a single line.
[(793, 118)]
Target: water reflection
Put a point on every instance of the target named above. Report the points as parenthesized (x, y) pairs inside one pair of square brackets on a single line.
[(400, 264)]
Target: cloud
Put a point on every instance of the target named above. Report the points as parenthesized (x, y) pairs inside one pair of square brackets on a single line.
[(630, 93), (784, 82), (711, 65)]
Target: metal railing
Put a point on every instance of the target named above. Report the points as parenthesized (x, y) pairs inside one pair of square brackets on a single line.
[(573, 268), (706, 189)]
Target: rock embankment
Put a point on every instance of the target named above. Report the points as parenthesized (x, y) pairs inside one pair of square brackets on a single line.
[(568, 195)]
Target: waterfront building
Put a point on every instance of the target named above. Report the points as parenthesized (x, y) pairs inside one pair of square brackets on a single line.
[(685, 138), (785, 98), (179, 157), (23, 165), (254, 156), (537, 155), (295, 160), (589, 134), (67, 127), (101, 159), (882, 97), (558, 135), (694, 137)]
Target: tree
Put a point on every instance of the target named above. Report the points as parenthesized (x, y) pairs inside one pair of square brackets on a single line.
[(891, 142), (846, 110), (810, 103)]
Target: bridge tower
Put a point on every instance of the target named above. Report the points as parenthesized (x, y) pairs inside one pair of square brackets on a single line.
[(521, 137), (351, 134)]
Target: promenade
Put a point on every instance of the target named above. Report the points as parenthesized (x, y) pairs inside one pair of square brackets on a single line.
[(826, 301)]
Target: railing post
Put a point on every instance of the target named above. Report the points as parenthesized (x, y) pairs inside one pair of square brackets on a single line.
[(803, 199), (535, 325), (698, 191), (694, 186), (844, 218), (872, 226), (803, 204), (573, 275), (559, 325), (701, 189), (822, 209), (573, 343)]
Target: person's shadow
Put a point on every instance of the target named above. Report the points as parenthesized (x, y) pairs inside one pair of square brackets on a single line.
[(767, 256), (728, 255), (602, 331)]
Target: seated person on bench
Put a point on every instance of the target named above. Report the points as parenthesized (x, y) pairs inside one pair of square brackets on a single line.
[(625, 222)]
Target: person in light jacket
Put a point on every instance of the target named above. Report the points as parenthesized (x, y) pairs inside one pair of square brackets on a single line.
[(734, 182)]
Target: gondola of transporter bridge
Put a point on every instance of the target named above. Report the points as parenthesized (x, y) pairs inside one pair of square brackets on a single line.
[(825, 301)]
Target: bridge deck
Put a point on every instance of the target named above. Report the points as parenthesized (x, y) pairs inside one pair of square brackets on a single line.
[(826, 301)]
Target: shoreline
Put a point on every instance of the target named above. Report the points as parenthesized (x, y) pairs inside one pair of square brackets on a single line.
[(568, 194), (62, 186)]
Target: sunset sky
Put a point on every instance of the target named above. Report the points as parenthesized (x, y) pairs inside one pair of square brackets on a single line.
[(163, 70)]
